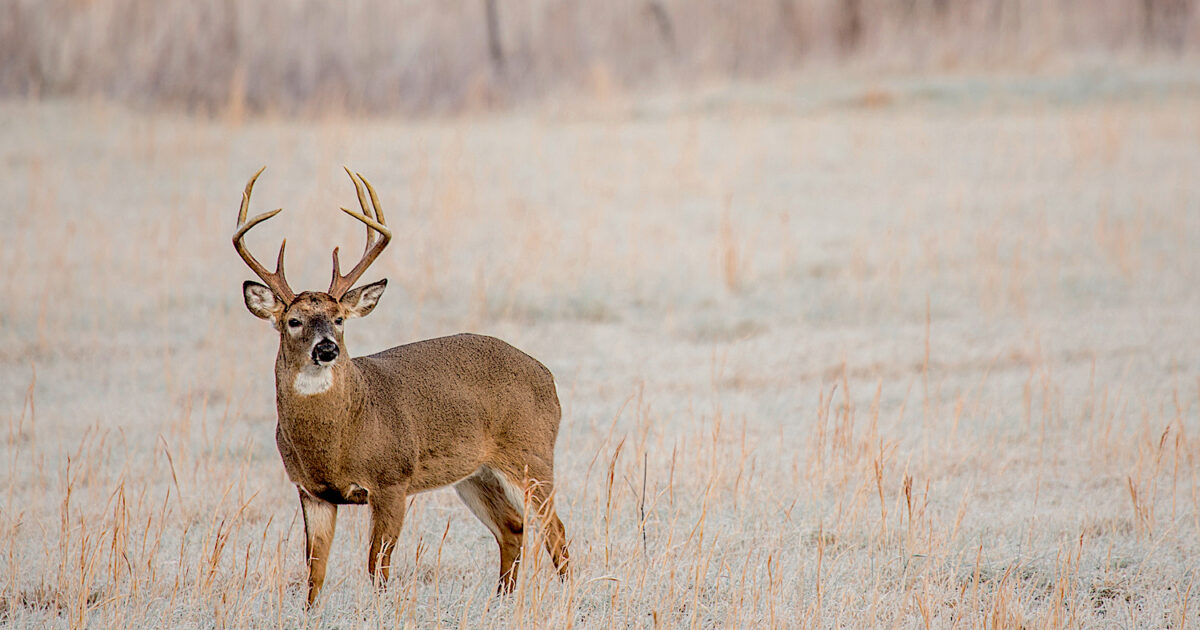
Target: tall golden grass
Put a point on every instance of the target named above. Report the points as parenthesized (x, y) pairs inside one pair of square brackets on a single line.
[(887, 362)]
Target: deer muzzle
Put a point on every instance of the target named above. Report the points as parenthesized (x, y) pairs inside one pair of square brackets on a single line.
[(325, 352)]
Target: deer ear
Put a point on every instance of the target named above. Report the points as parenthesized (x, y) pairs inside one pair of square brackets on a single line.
[(262, 302), (361, 301)]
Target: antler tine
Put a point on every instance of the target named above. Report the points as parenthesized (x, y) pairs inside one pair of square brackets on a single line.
[(374, 201), (246, 196), (362, 203), (372, 217), (277, 282)]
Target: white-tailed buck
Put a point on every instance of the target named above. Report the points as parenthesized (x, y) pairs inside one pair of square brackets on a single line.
[(466, 410)]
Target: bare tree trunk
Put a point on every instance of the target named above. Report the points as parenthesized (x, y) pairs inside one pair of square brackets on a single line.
[(794, 25), (495, 48), (662, 22), (850, 25)]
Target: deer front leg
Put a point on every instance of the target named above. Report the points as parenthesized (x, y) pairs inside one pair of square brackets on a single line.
[(387, 517), (320, 519)]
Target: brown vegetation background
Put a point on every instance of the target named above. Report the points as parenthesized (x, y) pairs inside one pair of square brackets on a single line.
[(375, 55)]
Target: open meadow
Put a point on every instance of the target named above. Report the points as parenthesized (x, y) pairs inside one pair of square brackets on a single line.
[(896, 353)]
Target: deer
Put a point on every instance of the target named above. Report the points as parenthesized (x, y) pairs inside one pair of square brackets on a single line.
[(465, 410)]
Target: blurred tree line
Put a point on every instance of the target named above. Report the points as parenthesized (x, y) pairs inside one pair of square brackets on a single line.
[(294, 56)]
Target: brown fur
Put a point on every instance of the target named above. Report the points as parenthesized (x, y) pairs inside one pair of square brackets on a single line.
[(409, 419)]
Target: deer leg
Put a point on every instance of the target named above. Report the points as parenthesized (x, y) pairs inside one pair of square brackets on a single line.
[(320, 519), (387, 517), (541, 494), (485, 493), (555, 534)]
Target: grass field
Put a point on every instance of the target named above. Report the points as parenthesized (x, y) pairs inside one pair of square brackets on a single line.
[(893, 353)]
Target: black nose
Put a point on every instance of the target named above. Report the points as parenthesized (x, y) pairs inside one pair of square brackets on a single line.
[(325, 351)]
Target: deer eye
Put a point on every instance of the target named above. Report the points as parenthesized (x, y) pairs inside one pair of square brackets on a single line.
[(293, 323), (338, 321)]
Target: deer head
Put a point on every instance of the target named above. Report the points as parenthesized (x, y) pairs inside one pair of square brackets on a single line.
[(310, 324)]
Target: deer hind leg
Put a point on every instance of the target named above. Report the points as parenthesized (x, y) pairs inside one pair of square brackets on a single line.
[(320, 520), (387, 517), (556, 533), (541, 493), (498, 505)]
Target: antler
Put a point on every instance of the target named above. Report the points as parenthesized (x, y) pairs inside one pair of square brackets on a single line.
[(378, 236), (275, 281)]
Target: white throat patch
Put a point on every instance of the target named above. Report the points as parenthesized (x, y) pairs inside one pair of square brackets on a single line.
[(312, 379)]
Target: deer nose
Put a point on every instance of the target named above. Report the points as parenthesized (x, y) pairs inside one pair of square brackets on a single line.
[(325, 351)]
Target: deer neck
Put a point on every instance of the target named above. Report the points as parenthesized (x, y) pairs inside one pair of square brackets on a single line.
[(309, 394)]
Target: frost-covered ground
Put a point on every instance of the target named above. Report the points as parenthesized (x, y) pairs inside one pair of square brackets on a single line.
[(895, 354)]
